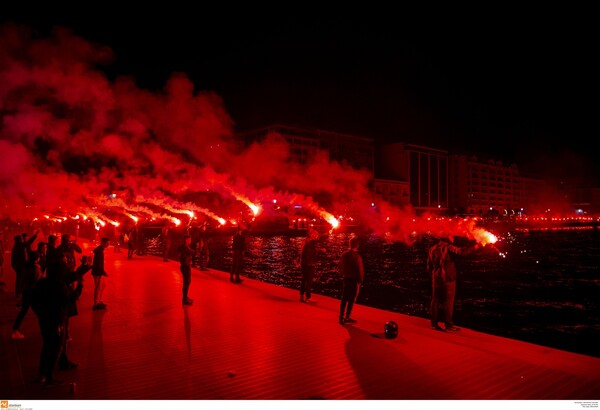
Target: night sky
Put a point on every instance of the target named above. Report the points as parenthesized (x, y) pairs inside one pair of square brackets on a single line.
[(511, 86)]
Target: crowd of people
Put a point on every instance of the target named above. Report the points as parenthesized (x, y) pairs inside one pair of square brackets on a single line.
[(49, 282)]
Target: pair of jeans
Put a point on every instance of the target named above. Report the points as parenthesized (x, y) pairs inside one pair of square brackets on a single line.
[(308, 272), (443, 292), (186, 272), (349, 294)]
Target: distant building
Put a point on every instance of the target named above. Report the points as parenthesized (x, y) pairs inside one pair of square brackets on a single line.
[(480, 187), (433, 180), (424, 169), (395, 192), (304, 143)]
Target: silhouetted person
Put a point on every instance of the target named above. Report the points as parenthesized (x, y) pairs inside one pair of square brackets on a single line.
[(166, 238), (351, 268), (442, 266), (51, 251), (98, 272), (18, 261), (32, 274), (72, 280), (68, 248), (50, 301), (204, 248), (132, 242), (307, 264), (186, 254), (238, 246)]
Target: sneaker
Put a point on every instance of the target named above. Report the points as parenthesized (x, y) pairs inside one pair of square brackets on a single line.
[(342, 320), (310, 300), (436, 327), (53, 382), (187, 302), (99, 306), (238, 280), (452, 329), (350, 320), (302, 298), (17, 335)]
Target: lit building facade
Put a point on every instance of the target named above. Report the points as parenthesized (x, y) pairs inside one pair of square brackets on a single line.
[(480, 187)]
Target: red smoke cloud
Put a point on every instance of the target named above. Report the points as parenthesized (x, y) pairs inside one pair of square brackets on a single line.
[(70, 138)]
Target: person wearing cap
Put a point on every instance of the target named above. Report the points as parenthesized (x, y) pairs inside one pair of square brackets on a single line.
[(186, 254)]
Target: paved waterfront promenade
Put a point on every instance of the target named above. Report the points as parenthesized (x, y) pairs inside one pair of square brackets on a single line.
[(257, 341)]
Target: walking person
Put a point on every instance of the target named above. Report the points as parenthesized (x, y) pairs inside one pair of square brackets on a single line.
[(99, 273), (307, 264), (32, 273), (441, 263), (186, 254), (351, 269)]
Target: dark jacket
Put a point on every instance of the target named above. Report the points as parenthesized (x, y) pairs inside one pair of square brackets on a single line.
[(239, 241), (441, 260), (51, 299), (309, 252), (69, 249), (19, 253), (351, 266)]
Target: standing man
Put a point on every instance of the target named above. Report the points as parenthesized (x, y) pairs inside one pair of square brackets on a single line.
[(238, 246), (442, 266), (166, 241), (98, 273), (186, 254), (307, 264), (352, 270)]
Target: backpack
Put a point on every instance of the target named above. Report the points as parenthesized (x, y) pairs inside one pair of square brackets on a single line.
[(437, 260)]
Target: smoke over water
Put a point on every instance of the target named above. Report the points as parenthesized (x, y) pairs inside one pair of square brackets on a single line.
[(74, 143)]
